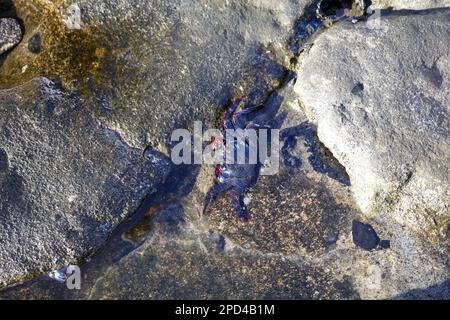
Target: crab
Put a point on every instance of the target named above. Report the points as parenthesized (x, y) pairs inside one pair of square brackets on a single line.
[(237, 179)]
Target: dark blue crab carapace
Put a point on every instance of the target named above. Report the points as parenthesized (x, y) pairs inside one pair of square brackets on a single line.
[(235, 178)]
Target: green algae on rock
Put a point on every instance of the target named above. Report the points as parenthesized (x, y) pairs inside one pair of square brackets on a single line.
[(72, 56)]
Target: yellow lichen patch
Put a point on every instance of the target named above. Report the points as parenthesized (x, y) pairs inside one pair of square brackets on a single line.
[(438, 226), (101, 52), (138, 232), (76, 57)]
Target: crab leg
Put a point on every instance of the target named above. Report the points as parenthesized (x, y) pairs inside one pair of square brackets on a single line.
[(256, 126), (232, 110), (229, 119), (213, 193), (238, 204)]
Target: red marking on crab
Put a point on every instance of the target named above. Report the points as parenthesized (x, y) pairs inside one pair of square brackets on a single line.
[(215, 144), (218, 171)]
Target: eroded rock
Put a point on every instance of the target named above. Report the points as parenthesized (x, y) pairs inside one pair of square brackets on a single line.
[(133, 83), (380, 99), (10, 34), (65, 181), (298, 242)]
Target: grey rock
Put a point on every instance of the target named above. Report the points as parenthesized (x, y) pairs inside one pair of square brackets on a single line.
[(174, 62), (364, 235), (10, 34), (65, 181), (379, 95), (191, 60), (174, 253), (297, 244), (184, 66)]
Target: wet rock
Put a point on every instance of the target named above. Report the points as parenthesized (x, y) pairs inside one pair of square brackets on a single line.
[(206, 275), (134, 82), (170, 220), (185, 255), (364, 235), (193, 59), (310, 206), (299, 215), (195, 264), (160, 76), (298, 243), (162, 273), (65, 181), (10, 34), (387, 120)]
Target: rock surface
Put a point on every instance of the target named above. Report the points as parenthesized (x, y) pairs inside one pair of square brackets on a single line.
[(10, 34), (380, 99), (185, 65), (139, 81), (75, 160), (298, 243), (65, 181), (205, 53)]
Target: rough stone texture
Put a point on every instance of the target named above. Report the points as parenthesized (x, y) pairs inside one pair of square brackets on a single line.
[(380, 99), (408, 4), (10, 34), (297, 244), (205, 52), (308, 208), (195, 265), (185, 65), (65, 181), (191, 60)]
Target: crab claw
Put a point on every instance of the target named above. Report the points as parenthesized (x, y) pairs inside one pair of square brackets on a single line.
[(218, 171)]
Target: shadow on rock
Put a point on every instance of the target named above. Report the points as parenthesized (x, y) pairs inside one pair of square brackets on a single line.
[(320, 158), (438, 292)]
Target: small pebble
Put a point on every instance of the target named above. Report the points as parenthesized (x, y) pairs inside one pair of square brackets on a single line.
[(364, 236)]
